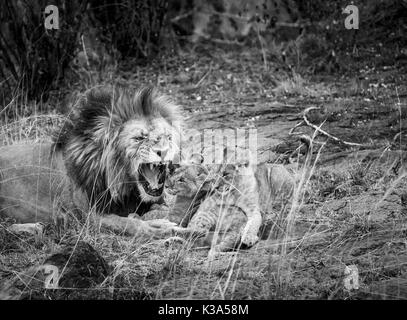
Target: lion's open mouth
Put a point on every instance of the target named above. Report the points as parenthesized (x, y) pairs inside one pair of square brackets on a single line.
[(152, 178)]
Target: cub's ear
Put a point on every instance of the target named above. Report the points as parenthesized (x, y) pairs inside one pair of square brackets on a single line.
[(196, 158)]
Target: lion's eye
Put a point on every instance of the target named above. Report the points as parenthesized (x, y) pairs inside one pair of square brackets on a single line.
[(140, 137)]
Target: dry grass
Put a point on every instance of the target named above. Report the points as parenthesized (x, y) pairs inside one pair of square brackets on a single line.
[(355, 215), (149, 269), (281, 267)]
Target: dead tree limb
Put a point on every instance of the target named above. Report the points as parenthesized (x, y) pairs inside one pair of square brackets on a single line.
[(321, 131)]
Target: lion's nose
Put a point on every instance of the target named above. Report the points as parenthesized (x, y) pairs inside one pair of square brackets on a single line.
[(161, 148), (162, 153)]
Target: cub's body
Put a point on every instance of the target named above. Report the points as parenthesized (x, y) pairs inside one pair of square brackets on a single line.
[(228, 199)]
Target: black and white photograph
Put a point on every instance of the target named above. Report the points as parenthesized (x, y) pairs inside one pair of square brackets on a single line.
[(221, 150)]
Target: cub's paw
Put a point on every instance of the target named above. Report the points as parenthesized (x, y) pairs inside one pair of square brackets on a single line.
[(249, 240), (174, 240)]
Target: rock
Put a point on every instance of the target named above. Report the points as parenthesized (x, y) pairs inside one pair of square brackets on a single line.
[(75, 266), (36, 229), (182, 78)]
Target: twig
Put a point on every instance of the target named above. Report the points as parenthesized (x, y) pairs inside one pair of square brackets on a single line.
[(319, 130), (398, 135), (84, 51), (398, 104), (182, 16), (204, 77), (263, 51), (299, 124)]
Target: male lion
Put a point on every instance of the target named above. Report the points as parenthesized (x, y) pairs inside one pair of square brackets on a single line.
[(109, 156)]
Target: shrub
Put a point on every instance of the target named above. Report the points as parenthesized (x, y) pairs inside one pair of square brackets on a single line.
[(132, 27), (33, 59)]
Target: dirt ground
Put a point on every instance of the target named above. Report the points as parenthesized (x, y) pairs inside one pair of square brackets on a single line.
[(354, 211)]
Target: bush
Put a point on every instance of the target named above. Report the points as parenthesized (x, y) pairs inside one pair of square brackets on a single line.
[(132, 26), (34, 59)]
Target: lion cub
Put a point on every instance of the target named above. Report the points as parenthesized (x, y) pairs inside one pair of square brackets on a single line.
[(223, 198), (229, 199)]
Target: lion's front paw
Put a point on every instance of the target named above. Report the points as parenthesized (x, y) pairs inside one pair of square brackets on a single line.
[(159, 228), (160, 223), (157, 212)]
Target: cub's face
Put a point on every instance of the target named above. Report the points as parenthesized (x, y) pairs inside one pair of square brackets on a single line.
[(148, 146), (188, 178), (193, 176)]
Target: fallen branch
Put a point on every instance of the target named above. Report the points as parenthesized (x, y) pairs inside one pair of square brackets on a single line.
[(321, 131)]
